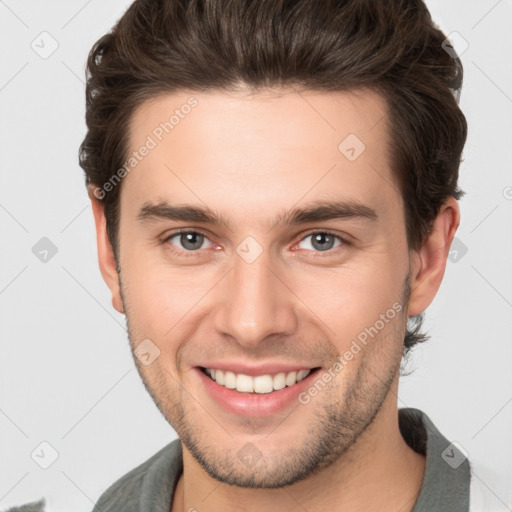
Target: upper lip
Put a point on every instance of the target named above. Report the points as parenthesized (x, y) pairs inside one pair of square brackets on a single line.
[(262, 368)]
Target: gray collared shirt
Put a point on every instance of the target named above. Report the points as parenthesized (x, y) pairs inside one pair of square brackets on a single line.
[(150, 486)]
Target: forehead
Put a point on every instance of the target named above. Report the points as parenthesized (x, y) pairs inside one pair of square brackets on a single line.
[(272, 147), (300, 119)]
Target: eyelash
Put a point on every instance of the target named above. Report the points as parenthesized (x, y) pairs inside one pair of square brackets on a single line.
[(188, 254)]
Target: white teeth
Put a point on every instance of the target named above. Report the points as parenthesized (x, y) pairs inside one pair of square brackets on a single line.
[(219, 376), (263, 384), (230, 380), (302, 375), (291, 378), (260, 384), (279, 381), (244, 383)]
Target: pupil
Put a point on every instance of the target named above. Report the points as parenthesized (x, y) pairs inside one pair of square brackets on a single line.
[(322, 237), (187, 239)]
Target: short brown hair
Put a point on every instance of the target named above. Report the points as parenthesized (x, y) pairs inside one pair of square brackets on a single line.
[(389, 46)]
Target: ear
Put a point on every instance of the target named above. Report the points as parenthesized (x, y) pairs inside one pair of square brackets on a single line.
[(107, 261), (429, 262)]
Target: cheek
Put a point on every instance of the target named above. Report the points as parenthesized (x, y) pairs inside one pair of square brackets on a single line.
[(347, 301), (162, 301)]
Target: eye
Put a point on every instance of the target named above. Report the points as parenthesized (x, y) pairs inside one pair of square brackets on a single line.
[(191, 241), (323, 241)]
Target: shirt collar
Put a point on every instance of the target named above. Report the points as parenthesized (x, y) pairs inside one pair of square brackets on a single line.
[(445, 483)]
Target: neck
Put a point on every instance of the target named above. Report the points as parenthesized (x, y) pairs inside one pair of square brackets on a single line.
[(379, 472)]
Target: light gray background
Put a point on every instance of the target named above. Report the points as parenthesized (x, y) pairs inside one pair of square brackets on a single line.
[(67, 376)]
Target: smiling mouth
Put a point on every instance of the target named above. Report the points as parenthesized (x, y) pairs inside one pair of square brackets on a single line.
[(259, 384)]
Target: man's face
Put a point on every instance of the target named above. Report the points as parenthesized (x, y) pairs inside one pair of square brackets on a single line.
[(260, 296)]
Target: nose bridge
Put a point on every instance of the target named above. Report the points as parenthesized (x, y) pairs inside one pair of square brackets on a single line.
[(254, 302)]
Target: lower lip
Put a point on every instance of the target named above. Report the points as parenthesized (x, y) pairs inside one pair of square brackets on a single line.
[(255, 404)]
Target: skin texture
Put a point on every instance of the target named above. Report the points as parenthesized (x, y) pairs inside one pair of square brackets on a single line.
[(252, 157)]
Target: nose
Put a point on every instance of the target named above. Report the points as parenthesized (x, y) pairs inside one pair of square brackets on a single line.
[(255, 301)]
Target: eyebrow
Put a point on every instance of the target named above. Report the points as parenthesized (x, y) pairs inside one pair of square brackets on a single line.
[(313, 212)]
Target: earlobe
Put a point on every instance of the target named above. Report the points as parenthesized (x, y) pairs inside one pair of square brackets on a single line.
[(429, 262), (107, 262)]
